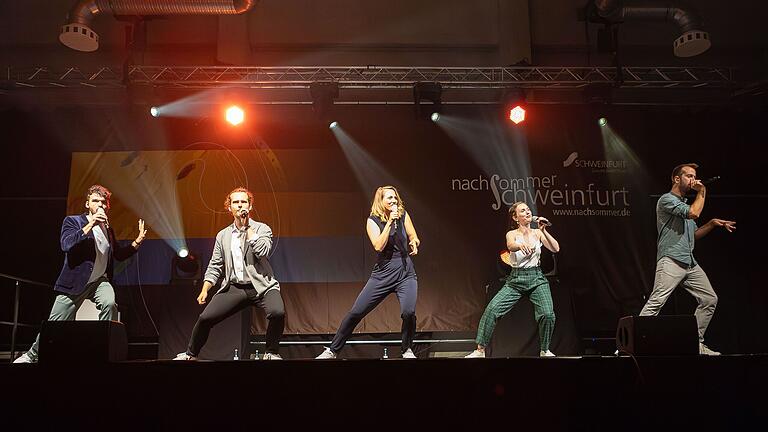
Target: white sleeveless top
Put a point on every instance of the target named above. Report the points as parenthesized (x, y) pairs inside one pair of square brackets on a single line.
[(520, 260)]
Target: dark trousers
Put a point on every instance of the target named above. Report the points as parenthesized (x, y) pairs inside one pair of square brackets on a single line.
[(234, 299), (372, 294)]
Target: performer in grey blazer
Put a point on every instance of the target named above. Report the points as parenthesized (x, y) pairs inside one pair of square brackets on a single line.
[(240, 264)]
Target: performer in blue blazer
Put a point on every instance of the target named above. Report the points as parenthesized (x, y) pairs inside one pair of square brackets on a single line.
[(90, 248)]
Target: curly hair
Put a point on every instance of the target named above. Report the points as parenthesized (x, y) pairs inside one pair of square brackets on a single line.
[(228, 201), (100, 191)]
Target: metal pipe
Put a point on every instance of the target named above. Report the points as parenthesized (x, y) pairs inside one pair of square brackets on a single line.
[(78, 34), (693, 39)]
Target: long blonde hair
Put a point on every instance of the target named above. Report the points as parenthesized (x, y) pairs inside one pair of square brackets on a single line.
[(377, 208)]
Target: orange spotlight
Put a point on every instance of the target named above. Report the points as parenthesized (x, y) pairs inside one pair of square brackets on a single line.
[(235, 115), (517, 114)]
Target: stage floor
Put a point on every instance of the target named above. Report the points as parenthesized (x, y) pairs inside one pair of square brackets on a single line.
[(565, 393)]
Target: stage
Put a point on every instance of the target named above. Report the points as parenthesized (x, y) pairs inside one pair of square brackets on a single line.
[(564, 393)]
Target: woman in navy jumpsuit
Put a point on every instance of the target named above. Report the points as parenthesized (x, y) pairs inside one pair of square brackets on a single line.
[(394, 238)]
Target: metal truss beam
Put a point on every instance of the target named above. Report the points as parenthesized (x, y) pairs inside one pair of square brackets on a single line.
[(370, 77)]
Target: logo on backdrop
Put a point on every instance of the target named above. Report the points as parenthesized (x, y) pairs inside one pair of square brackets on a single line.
[(569, 160), (596, 165), (552, 192)]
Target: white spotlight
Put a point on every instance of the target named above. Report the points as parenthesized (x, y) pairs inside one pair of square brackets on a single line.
[(183, 252), (435, 117), (333, 125), (155, 111)]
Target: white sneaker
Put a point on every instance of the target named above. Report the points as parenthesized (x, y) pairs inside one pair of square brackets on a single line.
[(25, 358), (270, 356), (326, 354), (704, 350), (184, 356), (546, 353), (408, 354), (475, 354)]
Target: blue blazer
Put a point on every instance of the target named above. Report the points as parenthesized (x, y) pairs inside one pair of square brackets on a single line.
[(80, 255)]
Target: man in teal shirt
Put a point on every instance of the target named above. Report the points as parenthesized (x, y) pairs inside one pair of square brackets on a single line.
[(675, 264)]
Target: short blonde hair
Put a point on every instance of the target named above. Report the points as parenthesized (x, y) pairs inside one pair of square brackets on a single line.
[(377, 208)]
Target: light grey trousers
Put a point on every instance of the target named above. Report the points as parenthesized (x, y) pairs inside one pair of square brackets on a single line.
[(670, 274), (65, 306)]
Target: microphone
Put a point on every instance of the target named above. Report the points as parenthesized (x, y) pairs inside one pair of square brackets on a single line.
[(244, 215), (393, 209), (106, 223), (536, 219), (710, 180)]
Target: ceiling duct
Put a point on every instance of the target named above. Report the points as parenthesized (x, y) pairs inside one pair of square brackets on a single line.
[(692, 41), (78, 34)]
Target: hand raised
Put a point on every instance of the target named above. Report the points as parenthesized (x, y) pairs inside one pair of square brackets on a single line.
[(142, 231), (729, 226)]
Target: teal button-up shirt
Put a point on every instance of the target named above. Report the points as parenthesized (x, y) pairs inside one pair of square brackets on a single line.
[(675, 230)]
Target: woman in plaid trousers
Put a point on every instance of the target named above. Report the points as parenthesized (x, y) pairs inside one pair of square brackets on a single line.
[(526, 278)]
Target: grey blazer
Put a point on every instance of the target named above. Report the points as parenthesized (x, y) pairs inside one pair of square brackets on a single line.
[(221, 269)]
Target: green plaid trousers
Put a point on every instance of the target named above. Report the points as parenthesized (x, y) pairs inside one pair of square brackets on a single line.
[(520, 282)]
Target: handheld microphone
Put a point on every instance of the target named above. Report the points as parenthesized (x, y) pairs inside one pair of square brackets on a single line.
[(710, 180), (244, 215), (393, 209), (536, 219), (106, 223)]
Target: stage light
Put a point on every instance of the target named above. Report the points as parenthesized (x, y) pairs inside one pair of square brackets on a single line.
[(183, 252), (602, 122), (513, 100), (435, 117), (185, 269), (154, 111), (517, 114), (333, 125), (235, 115)]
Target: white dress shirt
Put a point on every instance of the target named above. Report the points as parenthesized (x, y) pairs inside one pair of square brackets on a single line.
[(238, 260), (102, 253)]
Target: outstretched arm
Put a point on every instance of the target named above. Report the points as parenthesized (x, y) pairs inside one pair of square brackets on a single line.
[(705, 229), (514, 246), (123, 253)]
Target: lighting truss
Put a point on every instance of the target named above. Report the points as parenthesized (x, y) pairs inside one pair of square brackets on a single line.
[(369, 77)]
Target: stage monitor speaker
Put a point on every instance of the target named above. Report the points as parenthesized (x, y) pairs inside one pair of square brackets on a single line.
[(82, 342), (658, 335)]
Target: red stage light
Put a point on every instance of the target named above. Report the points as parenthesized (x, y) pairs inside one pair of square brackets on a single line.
[(235, 115)]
